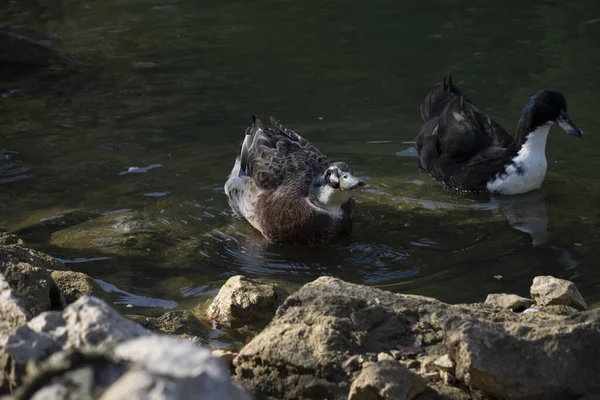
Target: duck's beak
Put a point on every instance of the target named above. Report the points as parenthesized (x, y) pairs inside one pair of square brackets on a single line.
[(567, 125), (349, 182)]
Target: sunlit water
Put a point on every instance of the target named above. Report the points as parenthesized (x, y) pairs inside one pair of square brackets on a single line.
[(116, 164)]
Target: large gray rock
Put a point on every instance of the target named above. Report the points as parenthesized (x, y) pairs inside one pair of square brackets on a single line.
[(182, 323), (152, 367), (312, 348), (242, 301), (548, 290), (386, 380), (554, 360), (89, 323)]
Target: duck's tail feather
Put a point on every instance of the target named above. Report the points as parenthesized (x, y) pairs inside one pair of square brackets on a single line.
[(438, 98), (255, 136)]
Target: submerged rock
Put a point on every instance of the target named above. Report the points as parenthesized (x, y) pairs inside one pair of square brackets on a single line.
[(27, 47), (548, 290), (181, 323), (508, 301), (556, 360), (242, 301), (150, 367), (74, 285), (386, 380)]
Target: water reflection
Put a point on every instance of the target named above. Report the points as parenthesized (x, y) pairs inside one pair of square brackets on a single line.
[(526, 213)]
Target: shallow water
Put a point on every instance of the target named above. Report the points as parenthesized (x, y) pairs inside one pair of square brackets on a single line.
[(116, 164)]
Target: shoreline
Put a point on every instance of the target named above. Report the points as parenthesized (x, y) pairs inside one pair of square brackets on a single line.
[(329, 339)]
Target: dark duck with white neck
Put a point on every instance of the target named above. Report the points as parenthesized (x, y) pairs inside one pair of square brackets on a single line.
[(466, 150)]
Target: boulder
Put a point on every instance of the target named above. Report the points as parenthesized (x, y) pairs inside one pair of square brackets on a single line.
[(242, 301), (510, 302), (314, 345), (509, 360), (74, 285), (89, 323), (149, 367), (548, 290), (386, 380)]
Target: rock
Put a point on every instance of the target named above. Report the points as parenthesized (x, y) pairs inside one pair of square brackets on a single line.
[(385, 357), (559, 310), (26, 286), (508, 302), (548, 290), (74, 285), (306, 351), (8, 239), (555, 360), (89, 323), (225, 355), (386, 380), (242, 301), (27, 47), (180, 323), (150, 367), (444, 362)]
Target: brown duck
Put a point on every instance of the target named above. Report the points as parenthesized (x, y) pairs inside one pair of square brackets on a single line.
[(288, 190)]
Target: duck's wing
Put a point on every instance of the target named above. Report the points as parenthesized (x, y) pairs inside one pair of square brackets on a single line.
[(270, 156), (437, 99)]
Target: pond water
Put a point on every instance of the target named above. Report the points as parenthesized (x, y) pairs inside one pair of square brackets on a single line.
[(116, 164)]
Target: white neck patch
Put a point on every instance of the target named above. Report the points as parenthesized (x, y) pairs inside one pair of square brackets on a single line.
[(528, 168), (330, 200)]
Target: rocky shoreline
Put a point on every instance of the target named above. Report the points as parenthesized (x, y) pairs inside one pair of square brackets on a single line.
[(61, 338)]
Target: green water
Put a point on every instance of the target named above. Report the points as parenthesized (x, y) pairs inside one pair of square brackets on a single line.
[(173, 84)]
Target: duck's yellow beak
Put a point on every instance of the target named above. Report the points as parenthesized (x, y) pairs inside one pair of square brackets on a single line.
[(349, 182)]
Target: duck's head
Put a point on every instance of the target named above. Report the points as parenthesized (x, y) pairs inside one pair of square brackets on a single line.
[(334, 187), (548, 107)]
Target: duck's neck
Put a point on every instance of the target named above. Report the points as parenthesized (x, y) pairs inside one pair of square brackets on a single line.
[(534, 142)]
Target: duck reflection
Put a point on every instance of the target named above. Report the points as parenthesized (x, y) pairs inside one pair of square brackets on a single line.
[(526, 213)]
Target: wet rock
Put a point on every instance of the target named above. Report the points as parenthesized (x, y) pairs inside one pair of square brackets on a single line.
[(386, 380), (548, 290), (554, 360), (27, 47), (508, 302), (74, 285), (89, 323), (150, 367), (305, 350), (242, 301), (181, 323)]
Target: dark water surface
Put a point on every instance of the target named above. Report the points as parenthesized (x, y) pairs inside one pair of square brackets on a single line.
[(169, 87)]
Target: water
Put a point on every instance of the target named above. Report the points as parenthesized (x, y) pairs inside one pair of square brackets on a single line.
[(116, 164)]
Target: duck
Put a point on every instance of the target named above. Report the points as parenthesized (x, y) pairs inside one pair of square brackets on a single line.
[(466, 150), (289, 191)]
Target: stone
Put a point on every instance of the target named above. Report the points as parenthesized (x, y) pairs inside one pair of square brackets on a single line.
[(74, 285), (444, 362), (8, 238), (548, 290), (88, 323), (385, 356), (312, 346), (27, 47), (386, 380), (225, 355), (508, 302), (242, 301), (26, 286), (182, 323), (150, 367), (509, 360)]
